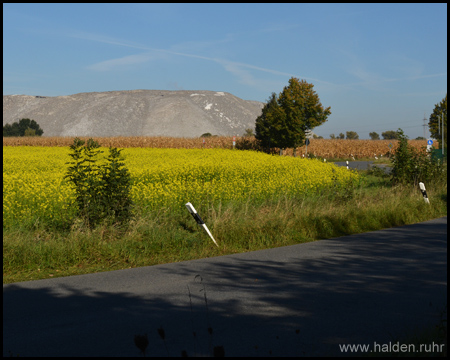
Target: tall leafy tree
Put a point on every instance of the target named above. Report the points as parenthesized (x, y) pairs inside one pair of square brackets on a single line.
[(268, 122), (439, 112), (286, 118), (374, 136)]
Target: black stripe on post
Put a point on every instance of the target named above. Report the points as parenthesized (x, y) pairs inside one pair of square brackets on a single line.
[(197, 218), (424, 192)]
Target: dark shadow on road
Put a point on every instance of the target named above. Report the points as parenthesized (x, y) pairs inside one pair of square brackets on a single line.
[(301, 300)]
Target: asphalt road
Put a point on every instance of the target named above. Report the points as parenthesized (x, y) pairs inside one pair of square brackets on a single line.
[(363, 165), (301, 300)]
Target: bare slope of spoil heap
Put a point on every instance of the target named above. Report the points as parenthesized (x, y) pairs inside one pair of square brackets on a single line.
[(135, 113)]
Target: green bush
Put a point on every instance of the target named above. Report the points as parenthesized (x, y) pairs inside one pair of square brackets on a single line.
[(25, 127), (116, 187), (377, 171), (411, 166), (102, 191), (247, 143)]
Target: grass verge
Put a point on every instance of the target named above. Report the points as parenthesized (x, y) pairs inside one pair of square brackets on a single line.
[(173, 236)]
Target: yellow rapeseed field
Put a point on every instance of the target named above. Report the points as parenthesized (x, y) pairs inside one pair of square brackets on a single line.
[(34, 188)]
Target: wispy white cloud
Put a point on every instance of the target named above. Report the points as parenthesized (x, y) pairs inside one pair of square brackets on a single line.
[(403, 65), (244, 76), (278, 27), (418, 77), (435, 94), (237, 69), (104, 39), (372, 80), (236, 65), (199, 45), (243, 72), (405, 68), (113, 64)]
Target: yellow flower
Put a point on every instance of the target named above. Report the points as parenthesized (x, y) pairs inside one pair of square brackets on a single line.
[(33, 183)]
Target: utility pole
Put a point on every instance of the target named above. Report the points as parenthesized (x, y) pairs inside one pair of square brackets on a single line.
[(441, 131), (424, 125), (442, 115)]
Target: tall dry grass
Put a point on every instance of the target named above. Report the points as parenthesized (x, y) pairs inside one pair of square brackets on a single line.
[(333, 148), (326, 148), (225, 142)]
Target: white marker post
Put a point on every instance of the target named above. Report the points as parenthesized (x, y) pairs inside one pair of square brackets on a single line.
[(199, 220), (424, 192), (347, 164)]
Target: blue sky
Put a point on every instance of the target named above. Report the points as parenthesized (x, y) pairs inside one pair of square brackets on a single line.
[(378, 66)]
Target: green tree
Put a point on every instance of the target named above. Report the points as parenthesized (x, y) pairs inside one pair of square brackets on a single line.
[(102, 191), (266, 123), (389, 135), (30, 132), (248, 133), (352, 135), (410, 166), (21, 127), (374, 136), (116, 188), (11, 130), (439, 112), (25, 124), (341, 136), (332, 136), (286, 118), (402, 161)]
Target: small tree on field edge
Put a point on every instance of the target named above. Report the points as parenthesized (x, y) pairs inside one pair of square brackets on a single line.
[(390, 135), (352, 135), (411, 166), (103, 192), (25, 127)]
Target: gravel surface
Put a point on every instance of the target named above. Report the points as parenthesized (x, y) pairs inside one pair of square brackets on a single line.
[(135, 113)]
